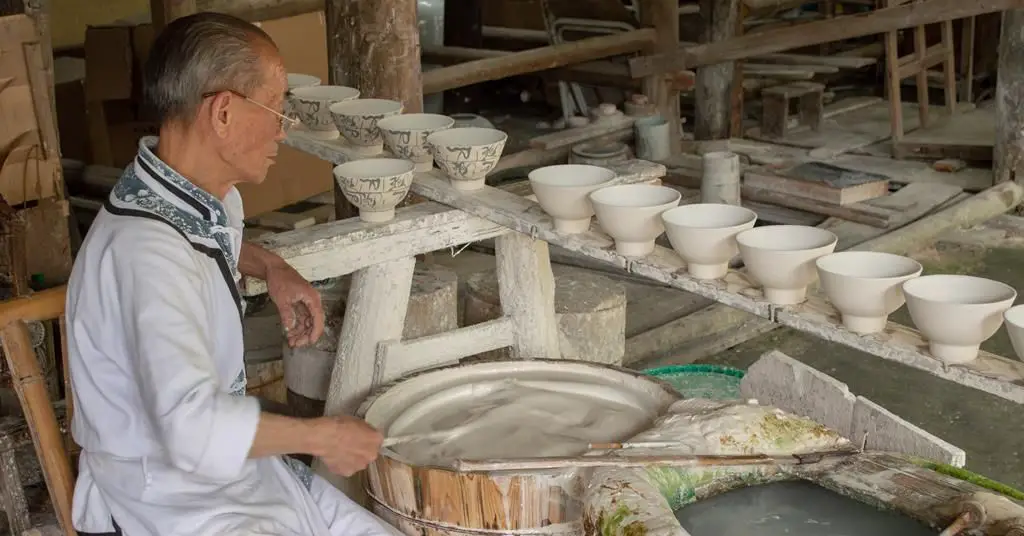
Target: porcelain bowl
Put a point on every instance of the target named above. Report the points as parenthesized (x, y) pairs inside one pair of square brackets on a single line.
[(956, 313), (357, 120), (467, 154), (704, 235), (781, 259), (406, 136), (312, 106), (295, 81), (631, 214), (375, 185), (563, 192), (1014, 317), (865, 286)]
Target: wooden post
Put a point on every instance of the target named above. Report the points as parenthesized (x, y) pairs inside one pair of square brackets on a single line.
[(374, 46), (663, 16), (463, 27), (1009, 143), (164, 11), (714, 90)]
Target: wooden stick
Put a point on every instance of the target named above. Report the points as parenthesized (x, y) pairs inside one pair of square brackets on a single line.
[(44, 305), (260, 10), (30, 385), (815, 33), (694, 460), (538, 59)]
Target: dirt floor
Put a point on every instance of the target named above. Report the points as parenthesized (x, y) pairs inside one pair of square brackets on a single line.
[(989, 428)]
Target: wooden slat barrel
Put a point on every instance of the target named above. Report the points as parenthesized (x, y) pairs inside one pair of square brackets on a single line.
[(435, 501)]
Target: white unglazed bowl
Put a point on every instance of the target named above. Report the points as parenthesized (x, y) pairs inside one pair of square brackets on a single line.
[(865, 286), (956, 313), (631, 215), (563, 192), (1014, 318), (781, 259), (704, 235)]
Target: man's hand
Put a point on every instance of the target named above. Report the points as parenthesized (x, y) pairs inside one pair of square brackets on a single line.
[(298, 303), (345, 444)]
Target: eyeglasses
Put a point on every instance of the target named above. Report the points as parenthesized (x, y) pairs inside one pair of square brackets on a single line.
[(285, 121)]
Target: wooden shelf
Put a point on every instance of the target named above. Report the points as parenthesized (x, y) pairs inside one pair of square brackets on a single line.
[(989, 372)]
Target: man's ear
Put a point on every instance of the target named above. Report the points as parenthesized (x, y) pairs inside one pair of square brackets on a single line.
[(219, 112)]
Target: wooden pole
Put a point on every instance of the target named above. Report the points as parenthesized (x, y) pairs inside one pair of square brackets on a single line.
[(374, 46), (536, 59), (815, 33), (164, 11), (1009, 142), (30, 386), (714, 89), (663, 16), (463, 27)]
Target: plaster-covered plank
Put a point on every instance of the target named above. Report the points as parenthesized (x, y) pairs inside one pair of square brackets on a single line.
[(779, 380), (341, 247), (879, 429)]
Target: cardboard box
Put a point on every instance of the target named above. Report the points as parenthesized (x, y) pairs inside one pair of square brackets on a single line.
[(303, 45)]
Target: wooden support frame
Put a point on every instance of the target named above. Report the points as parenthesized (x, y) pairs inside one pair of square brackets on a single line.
[(816, 33), (1008, 150)]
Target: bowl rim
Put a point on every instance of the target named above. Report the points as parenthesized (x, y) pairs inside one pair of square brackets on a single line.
[(435, 136), (337, 171), (908, 289), (620, 187), (535, 178), (300, 93), (878, 254), (775, 228), (1013, 311), (383, 123), (699, 206), (396, 107)]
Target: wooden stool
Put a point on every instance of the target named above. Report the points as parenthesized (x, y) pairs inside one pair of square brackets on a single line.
[(776, 100), (590, 310), (433, 308)]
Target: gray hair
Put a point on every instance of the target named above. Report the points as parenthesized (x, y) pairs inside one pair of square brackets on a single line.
[(196, 55)]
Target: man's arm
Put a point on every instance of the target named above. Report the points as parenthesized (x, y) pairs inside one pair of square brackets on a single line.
[(254, 261)]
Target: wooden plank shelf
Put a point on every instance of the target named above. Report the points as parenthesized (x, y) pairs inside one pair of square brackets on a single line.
[(989, 372)]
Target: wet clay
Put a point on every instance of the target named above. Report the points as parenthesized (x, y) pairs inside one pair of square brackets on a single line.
[(519, 418)]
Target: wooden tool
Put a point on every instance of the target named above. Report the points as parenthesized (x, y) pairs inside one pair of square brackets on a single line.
[(695, 460), (436, 436)]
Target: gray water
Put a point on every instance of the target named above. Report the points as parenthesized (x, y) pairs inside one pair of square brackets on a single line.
[(796, 508)]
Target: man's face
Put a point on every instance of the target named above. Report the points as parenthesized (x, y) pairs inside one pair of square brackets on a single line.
[(249, 138)]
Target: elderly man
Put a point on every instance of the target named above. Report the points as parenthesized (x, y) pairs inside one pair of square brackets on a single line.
[(171, 445)]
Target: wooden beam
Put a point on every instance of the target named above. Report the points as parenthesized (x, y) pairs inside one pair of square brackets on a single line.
[(597, 73), (260, 10), (714, 84), (534, 60), (1009, 143), (164, 11), (818, 32), (663, 16)]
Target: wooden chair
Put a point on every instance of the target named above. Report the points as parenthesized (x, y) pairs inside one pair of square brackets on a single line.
[(30, 386), (918, 64)]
